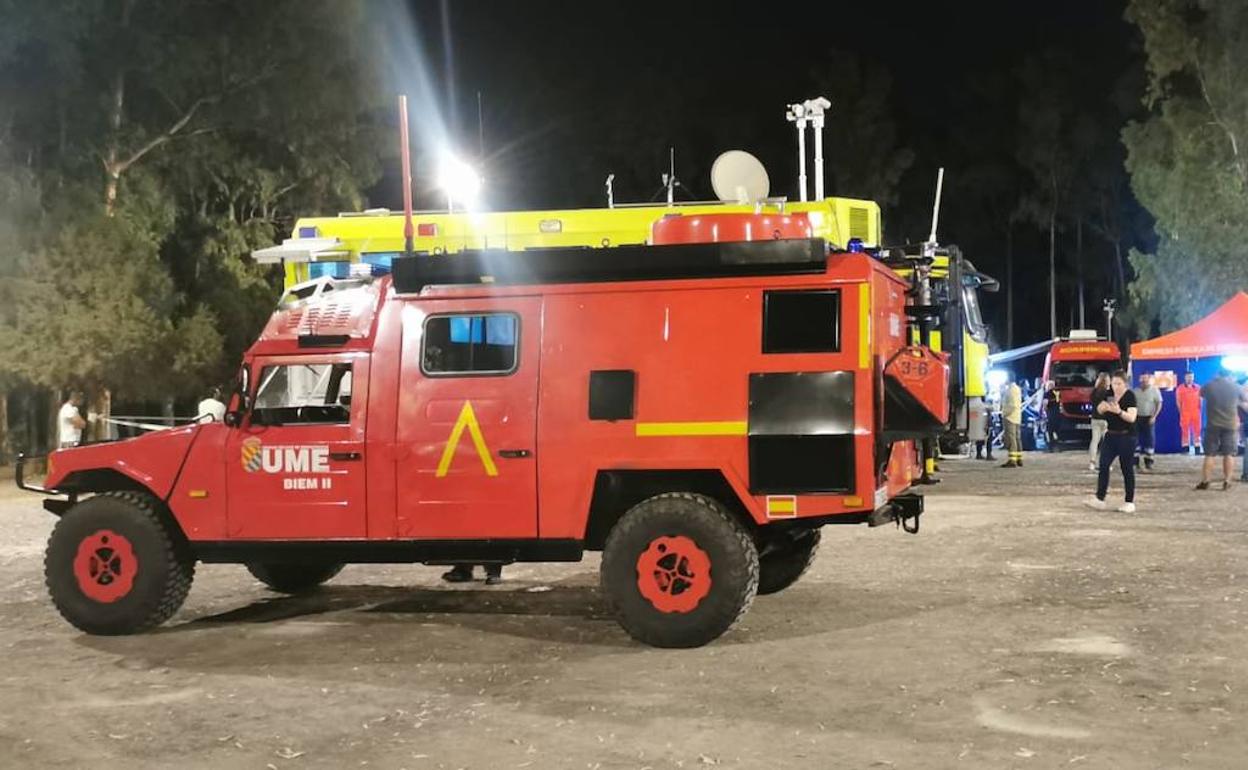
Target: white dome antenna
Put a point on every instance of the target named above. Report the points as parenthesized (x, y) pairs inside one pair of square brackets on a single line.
[(739, 177)]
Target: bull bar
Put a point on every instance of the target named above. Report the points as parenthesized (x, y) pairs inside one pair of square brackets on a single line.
[(55, 506)]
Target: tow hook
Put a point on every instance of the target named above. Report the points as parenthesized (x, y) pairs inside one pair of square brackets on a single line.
[(903, 510)]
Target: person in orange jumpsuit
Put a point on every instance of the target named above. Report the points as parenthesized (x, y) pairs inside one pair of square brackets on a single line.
[(1188, 397)]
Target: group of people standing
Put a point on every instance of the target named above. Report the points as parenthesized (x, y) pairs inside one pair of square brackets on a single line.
[(1148, 405), (981, 425), (1011, 399), (1225, 419), (1123, 420)]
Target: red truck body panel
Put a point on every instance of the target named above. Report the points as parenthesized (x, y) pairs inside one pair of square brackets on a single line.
[(152, 460), (410, 454)]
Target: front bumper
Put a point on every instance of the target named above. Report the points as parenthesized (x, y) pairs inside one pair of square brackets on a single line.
[(19, 475), (56, 505)]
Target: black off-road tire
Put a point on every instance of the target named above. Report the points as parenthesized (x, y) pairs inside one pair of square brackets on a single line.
[(293, 577), (782, 565), (732, 574), (159, 573)]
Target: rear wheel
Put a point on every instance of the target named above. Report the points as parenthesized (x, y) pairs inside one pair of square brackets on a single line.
[(679, 570), (293, 577), (115, 565), (785, 560)]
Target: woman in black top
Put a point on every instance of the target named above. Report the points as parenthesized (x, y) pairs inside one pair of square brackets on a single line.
[(1118, 411)]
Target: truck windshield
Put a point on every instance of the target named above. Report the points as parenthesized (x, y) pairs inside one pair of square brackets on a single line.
[(1079, 374), (974, 319)]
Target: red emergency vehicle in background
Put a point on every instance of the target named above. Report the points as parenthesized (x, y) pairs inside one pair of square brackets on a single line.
[(1072, 365), (696, 410)]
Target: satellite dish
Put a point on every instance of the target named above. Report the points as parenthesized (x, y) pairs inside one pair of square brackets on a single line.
[(739, 177)]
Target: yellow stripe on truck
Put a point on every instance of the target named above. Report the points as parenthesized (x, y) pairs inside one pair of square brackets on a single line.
[(864, 325), (691, 429)]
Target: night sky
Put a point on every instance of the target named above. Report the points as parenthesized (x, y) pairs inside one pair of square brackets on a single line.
[(570, 92)]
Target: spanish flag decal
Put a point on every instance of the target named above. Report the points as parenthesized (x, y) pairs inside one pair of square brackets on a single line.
[(781, 506)]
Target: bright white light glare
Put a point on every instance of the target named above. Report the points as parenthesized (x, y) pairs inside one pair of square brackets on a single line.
[(1235, 363), (460, 181), (997, 377)]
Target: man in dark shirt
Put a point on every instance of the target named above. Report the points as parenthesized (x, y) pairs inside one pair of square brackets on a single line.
[(1221, 397)]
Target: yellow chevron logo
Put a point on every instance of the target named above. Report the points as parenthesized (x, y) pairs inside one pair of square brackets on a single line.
[(467, 420)]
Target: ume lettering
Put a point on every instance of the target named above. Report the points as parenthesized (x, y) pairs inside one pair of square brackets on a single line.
[(295, 459)]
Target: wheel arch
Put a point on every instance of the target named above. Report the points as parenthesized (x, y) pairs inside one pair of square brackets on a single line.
[(616, 491), (94, 482)]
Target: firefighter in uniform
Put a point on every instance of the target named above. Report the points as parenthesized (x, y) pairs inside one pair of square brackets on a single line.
[(1012, 424), (1188, 397)]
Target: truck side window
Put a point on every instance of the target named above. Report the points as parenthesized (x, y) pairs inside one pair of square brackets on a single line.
[(802, 321), (470, 344), (314, 394)]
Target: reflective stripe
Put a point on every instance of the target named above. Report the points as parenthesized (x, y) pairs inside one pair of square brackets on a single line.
[(864, 325), (691, 428)]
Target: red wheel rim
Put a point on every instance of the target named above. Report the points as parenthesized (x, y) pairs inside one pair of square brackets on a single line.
[(105, 566), (674, 574)]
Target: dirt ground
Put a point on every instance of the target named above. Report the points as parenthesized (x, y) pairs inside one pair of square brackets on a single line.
[(1019, 629)]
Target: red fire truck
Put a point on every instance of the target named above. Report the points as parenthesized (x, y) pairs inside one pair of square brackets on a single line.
[(697, 411), (1072, 365)]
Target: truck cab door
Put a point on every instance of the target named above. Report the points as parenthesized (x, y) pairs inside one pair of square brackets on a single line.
[(295, 466), (467, 429)]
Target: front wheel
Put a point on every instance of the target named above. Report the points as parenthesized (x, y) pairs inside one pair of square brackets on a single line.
[(787, 560), (115, 565), (293, 577), (679, 570)]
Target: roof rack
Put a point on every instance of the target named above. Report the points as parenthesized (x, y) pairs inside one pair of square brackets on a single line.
[(620, 263)]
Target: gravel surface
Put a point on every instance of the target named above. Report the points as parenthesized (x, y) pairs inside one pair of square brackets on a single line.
[(1019, 629)]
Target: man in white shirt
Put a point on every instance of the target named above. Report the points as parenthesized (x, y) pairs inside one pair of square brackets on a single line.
[(69, 423), (211, 409)]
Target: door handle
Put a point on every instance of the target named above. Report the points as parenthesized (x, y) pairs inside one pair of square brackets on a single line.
[(513, 453), (344, 456)]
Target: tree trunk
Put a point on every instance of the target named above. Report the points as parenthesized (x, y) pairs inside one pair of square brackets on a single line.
[(31, 408), (5, 454), (56, 397), (102, 406), (62, 134), (1009, 286), (1122, 271), (113, 164), (1053, 272), (1079, 270)]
